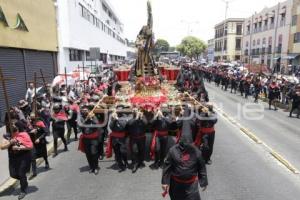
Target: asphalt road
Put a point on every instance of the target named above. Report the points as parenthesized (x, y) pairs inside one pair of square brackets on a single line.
[(275, 128), (241, 170)]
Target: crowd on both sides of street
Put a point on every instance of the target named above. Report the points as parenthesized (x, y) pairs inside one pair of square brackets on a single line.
[(277, 90), (53, 108)]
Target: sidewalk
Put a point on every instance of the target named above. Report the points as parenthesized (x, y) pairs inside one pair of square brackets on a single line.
[(6, 182)]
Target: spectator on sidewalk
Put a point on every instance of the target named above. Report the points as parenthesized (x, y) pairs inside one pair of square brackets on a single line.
[(30, 93), (19, 147), (295, 96)]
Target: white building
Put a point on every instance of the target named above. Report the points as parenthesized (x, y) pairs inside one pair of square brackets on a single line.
[(85, 24), (266, 36)]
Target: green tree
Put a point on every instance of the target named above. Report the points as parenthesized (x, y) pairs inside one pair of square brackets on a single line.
[(161, 45), (172, 49), (191, 46)]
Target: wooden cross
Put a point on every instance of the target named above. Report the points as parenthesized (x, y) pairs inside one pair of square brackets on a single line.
[(66, 76), (83, 72), (6, 99)]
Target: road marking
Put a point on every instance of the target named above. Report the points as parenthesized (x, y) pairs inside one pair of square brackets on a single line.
[(257, 140)]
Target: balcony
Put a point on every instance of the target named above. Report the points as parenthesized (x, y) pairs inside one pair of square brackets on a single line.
[(278, 49), (257, 51), (270, 50), (282, 23), (265, 28)]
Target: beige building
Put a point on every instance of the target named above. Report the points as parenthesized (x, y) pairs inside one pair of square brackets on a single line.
[(294, 41), (266, 37), (228, 40), (28, 44)]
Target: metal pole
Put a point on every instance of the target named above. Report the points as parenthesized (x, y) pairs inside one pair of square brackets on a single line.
[(35, 104), (66, 77), (224, 29)]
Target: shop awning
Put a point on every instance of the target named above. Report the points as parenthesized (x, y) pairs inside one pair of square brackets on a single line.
[(291, 56), (276, 58)]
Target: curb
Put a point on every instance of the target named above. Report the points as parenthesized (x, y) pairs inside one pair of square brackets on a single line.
[(12, 183), (253, 137)]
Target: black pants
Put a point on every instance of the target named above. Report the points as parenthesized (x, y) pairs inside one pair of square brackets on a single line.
[(274, 101), (256, 96), (19, 165), (138, 150), (295, 106), (72, 125), (208, 152), (91, 148), (120, 150), (181, 191), (161, 149), (59, 133), (101, 143)]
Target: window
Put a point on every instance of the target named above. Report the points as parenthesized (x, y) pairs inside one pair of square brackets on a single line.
[(225, 45), (265, 25), (272, 22), (248, 29), (264, 41), (238, 42), (282, 20), (280, 39), (258, 42), (88, 57), (75, 55), (239, 29), (253, 43), (297, 37), (294, 20)]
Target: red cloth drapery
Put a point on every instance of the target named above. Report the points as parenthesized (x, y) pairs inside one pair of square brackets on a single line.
[(122, 75), (148, 103)]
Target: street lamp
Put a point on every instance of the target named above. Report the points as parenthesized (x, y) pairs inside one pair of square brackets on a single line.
[(224, 27)]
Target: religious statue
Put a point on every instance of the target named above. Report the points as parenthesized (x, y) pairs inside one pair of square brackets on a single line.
[(145, 44)]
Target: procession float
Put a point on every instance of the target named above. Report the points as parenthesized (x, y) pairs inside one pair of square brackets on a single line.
[(146, 86)]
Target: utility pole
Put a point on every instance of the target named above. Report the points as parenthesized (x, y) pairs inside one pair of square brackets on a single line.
[(224, 29)]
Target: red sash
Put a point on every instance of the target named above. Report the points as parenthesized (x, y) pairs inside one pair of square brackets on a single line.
[(109, 146), (153, 142), (201, 132), (81, 146), (209, 130), (185, 181)]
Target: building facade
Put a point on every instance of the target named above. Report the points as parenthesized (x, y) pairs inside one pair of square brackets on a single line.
[(266, 37), (294, 42), (28, 44), (85, 24), (228, 40), (210, 50)]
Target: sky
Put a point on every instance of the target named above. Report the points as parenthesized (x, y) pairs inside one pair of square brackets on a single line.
[(175, 19)]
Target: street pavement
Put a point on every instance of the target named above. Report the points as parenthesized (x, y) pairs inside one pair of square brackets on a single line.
[(241, 170), (275, 128)]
